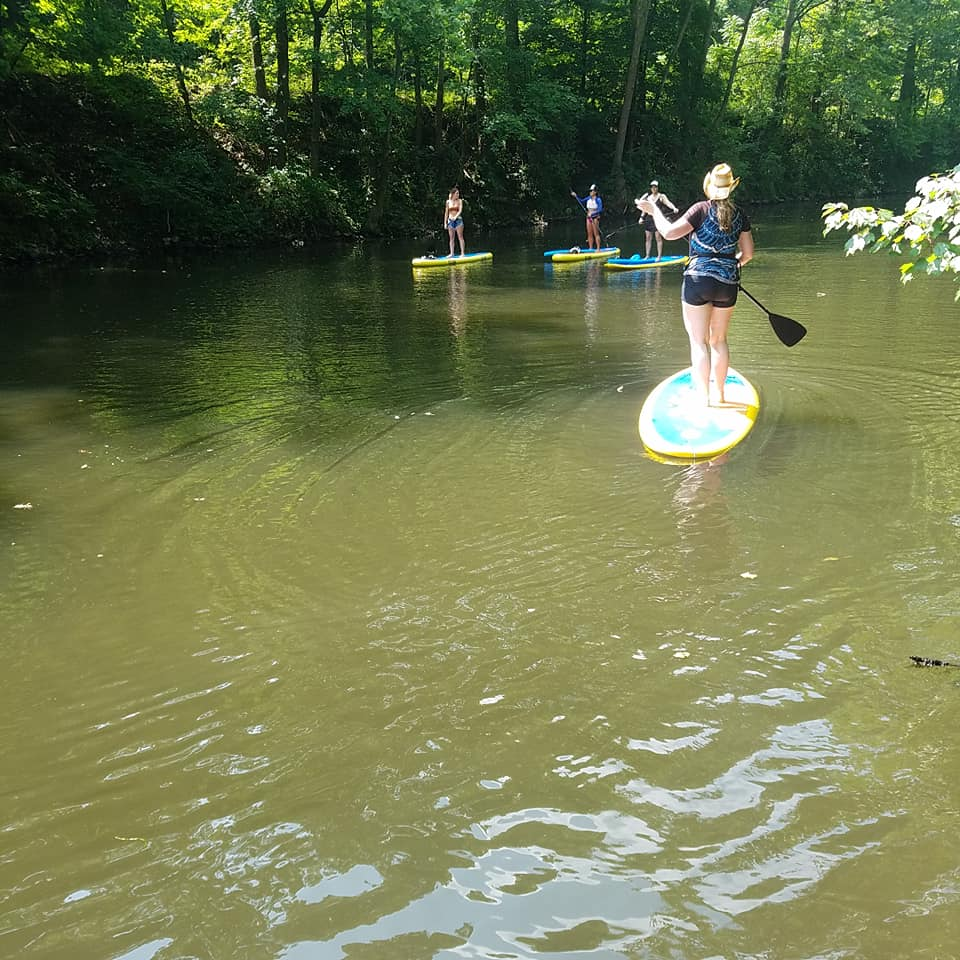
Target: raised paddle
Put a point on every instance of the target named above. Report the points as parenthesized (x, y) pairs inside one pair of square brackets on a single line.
[(788, 330)]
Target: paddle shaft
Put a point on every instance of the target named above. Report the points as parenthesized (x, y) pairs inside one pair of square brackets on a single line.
[(788, 330), (743, 289)]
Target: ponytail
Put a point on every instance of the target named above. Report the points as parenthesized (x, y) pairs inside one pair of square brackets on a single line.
[(724, 210)]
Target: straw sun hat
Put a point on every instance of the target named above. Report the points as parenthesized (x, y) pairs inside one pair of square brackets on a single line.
[(719, 183)]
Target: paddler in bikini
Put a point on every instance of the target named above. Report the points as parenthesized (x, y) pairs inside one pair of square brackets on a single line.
[(453, 220)]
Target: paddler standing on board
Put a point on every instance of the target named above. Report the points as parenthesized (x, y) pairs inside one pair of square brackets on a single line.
[(593, 206), (649, 227), (453, 219), (721, 242)]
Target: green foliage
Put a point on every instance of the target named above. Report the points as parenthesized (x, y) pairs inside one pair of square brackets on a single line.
[(169, 138), (928, 230), (110, 164), (299, 206)]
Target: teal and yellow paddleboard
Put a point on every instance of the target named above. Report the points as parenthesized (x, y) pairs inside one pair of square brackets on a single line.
[(451, 261), (636, 262), (573, 254), (675, 423)]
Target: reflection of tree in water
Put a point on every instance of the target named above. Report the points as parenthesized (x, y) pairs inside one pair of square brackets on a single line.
[(469, 366), (591, 301), (457, 293)]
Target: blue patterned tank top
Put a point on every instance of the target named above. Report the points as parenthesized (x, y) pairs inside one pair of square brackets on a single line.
[(713, 250)]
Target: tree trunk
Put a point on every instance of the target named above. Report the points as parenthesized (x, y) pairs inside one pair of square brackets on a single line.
[(283, 80), (316, 117), (418, 106), (368, 32), (16, 16), (699, 68), (640, 10), (168, 25), (672, 57), (384, 171), (584, 47), (511, 29), (908, 83), (256, 48), (780, 90), (639, 102), (736, 58), (479, 85), (438, 113), (955, 99)]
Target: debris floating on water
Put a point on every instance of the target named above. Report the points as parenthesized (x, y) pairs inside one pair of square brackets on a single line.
[(930, 662)]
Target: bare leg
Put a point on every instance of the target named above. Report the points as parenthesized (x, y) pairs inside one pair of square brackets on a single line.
[(659, 245), (648, 236), (452, 233), (593, 234), (460, 238), (696, 321), (719, 351)]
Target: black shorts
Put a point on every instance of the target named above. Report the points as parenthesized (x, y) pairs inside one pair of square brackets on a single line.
[(699, 291)]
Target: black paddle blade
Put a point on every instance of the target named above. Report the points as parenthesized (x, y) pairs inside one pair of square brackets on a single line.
[(787, 329)]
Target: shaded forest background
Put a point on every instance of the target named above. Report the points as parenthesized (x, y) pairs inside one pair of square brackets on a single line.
[(129, 124)]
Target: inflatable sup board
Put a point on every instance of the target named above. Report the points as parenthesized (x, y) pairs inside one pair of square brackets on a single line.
[(675, 423), (573, 254), (636, 262), (451, 261)]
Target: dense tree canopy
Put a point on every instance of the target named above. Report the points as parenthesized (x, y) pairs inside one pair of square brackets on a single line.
[(298, 117)]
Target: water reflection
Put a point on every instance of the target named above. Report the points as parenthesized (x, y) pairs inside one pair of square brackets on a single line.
[(592, 301), (457, 294)]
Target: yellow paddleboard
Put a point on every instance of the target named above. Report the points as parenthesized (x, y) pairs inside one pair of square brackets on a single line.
[(451, 261), (574, 254)]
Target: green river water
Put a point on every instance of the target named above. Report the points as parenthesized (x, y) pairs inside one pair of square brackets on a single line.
[(344, 615)]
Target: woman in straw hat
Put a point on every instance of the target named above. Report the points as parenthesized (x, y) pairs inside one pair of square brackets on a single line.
[(720, 243)]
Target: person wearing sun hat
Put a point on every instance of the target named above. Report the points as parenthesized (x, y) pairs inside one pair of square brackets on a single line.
[(646, 221), (721, 242)]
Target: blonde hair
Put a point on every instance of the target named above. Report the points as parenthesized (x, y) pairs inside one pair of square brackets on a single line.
[(725, 210)]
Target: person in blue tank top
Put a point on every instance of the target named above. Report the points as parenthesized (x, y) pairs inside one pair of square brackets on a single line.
[(721, 242)]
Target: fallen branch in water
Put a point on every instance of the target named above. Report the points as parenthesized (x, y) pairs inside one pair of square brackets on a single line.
[(928, 662)]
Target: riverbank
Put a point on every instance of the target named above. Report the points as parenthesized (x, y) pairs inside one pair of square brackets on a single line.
[(107, 166)]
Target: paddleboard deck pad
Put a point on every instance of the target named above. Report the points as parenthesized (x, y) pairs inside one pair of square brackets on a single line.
[(675, 423), (636, 262), (452, 261), (573, 254)]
